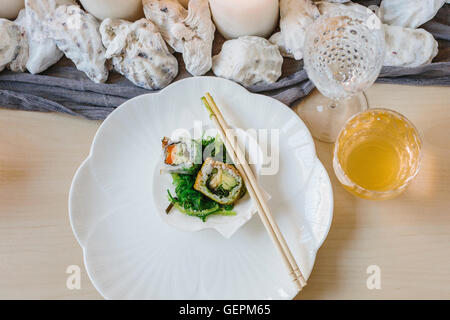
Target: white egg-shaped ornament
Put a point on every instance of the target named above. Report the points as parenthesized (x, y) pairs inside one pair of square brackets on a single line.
[(237, 18), (130, 10)]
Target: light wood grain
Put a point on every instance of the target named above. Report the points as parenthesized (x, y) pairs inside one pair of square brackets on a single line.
[(39, 154), (408, 237)]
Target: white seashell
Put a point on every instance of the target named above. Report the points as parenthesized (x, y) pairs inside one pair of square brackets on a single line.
[(76, 33), (407, 47), (190, 32), (248, 60), (21, 19), (18, 64), (13, 46), (278, 40), (295, 18), (43, 50), (409, 13), (138, 51)]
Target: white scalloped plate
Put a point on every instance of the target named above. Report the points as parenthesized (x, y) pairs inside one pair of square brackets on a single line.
[(130, 253)]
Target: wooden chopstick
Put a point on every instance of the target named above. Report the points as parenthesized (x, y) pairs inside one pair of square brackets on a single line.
[(255, 192)]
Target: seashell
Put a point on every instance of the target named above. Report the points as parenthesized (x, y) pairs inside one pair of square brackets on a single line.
[(13, 45), (409, 13), (76, 33), (248, 60), (278, 40), (43, 50), (295, 17), (406, 47), (190, 32), (21, 19), (138, 51)]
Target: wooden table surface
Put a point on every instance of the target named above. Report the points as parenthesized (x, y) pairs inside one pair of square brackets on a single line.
[(408, 238)]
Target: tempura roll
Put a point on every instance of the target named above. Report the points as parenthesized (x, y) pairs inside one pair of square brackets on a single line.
[(219, 181)]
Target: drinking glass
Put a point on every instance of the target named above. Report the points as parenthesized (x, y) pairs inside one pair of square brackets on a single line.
[(343, 55), (377, 154)]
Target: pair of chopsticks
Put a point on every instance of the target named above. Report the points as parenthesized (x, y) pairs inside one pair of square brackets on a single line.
[(238, 157)]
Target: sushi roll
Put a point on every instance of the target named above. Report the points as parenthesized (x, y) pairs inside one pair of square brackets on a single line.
[(219, 181), (182, 155)]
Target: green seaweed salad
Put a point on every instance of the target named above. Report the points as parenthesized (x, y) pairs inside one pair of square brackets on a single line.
[(190, 201)]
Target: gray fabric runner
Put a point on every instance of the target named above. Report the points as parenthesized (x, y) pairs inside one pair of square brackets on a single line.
[(62, 88)]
